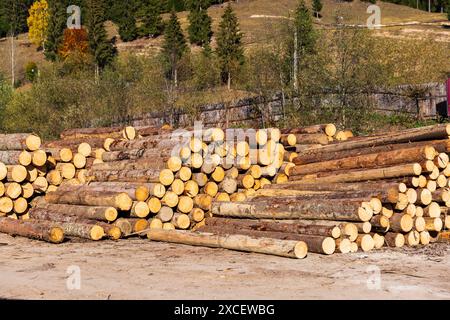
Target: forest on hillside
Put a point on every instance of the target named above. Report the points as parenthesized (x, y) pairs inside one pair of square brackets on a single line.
[(13, 13)]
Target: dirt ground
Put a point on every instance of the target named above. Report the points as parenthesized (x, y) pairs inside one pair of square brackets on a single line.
[(140, 269)]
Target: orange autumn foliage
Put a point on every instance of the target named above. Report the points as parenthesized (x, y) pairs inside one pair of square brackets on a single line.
[(75, 41)]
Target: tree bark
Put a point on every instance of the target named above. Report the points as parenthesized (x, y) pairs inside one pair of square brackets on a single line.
[(284, 248), (336, 209), (146, 175), (117, 200), (440, 131), (19, 141), (31, 229), (315, 243), (410, 169), (277, 226), (381, 159), (81, 212)]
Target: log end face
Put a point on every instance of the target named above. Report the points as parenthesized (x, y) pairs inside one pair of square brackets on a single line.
[(97, 233), (111, 214), (300, 250), (56, 235), (328, 245)]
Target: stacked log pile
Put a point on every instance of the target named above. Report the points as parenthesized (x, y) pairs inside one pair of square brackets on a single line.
[(22, 173), (179, 174), (283, 192), (367, 192)]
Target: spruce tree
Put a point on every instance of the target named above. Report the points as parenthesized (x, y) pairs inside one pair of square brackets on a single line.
[(127, 21), (448, 10), (229, 44), (152, 24), (304, 38), (174, 46), (56, 25), (199, 29), (100, 46), (317, 7)]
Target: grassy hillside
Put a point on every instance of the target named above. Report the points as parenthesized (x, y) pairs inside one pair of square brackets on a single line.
[(257, 18)]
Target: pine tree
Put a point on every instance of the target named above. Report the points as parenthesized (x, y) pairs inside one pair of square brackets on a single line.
[(448, 10), (304, 38), (174, 46), (229, 44), (127, 21), (101, 48), (152, 24), (199, 22), (56, 25), (317, 7)]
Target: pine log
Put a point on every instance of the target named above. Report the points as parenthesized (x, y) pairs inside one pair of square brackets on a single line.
[(13, 157), (31, 229), (315, 243), (373, 160), (150, 175), (329, 129), (440, 131), (105, 132), (338, 209), (117, 200), (284, 248), (19, 141), (277, 226), (83, 212), (410, 169)]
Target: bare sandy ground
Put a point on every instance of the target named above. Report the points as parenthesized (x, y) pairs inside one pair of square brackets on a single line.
[(140, 269)]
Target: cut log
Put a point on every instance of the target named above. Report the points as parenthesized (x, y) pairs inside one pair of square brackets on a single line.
[(228, 185), (181, 220), (412, 169), (381, 159), (185, 204), (154, 204), (394, 239), (339, 209), (196, 215), (141, 176), (284, 248), (302, 227), (329, 129), (124, 225), (343, 245), (92, 198), (100, 213), (313, 138), (184, 174), (417, 134), (31, 229), (19, 141), (170, 199), (365, 242), (165, 214), (17, 173), (401, 223), (13, 190), (139, 209), (191, 188), (202, 201), (315, 243)]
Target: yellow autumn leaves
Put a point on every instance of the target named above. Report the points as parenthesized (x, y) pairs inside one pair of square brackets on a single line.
[(38, 22)]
